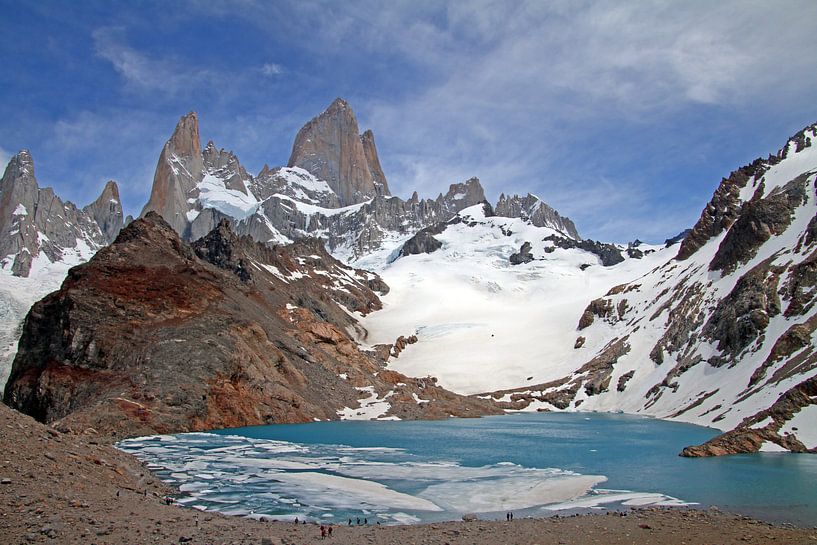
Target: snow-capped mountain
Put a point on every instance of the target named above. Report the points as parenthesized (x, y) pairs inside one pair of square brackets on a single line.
[(38, 229), (719, 331), (332, 188)]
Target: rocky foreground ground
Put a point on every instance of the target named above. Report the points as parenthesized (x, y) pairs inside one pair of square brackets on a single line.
[(60, 488)]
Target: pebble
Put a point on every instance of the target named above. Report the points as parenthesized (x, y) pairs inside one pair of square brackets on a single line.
[(5, 481)]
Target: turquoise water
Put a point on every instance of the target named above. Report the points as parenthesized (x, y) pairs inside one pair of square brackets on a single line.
[(532, 464)]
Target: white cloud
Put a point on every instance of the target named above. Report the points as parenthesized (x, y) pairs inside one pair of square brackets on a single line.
[(5, 157), (142, 72), (272, 69)]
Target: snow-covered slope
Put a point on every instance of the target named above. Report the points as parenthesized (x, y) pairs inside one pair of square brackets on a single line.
[(484, 324), (714, 332), (17, 294)]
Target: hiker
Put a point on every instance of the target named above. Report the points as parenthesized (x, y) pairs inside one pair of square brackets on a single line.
[(507, 517), (366, 521), (329, 531), (323, 532), (350, 522), (296, 520), (358, 521), (511, 515)]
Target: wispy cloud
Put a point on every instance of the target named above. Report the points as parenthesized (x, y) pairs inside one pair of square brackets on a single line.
[(143, 72), (5, 157), (272, 69)]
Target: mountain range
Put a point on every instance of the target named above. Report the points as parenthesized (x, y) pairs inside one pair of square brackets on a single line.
[(232, 301)]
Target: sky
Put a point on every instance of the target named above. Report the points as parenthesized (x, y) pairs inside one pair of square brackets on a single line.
[(622, 116)]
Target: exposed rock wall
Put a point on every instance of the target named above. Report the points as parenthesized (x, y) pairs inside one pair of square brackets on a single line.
[(34, 221), (331, 148)]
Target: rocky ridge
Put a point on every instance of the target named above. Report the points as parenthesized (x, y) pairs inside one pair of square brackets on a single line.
[(155, 335), (533, 209), (35, 223)]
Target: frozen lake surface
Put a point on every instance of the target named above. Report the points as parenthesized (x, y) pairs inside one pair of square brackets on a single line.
[(419, 471)]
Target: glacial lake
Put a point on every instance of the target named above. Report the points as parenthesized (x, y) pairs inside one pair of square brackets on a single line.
[(533, 464)]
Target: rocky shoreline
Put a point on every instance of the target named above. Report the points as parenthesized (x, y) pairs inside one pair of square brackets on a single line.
[(65, 488)]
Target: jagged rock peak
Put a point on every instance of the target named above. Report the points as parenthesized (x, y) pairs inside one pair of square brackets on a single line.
[(35, 222), (19, 165), (185, 138), (535, 210), (179, 169), (106, 210), (331, 148), (369, 148)]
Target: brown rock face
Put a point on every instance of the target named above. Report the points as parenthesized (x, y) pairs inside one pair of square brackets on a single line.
[(157, 335), (331, 148), (179, 169), (370, 150), (724, 207)]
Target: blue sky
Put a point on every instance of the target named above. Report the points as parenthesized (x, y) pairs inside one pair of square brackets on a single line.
[(622, 117)]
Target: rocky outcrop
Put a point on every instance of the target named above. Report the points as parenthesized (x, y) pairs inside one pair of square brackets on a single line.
[(594, 377), (533, 209), (524, 255), (742, 316), (608, 254), (331, 148), (36, 222), (106, 211), (763, 427), (154, 335), (723, 209), (422, 243), (759, 219), (677, 238), (373, 161)]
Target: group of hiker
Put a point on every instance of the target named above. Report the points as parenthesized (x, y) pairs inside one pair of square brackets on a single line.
[(326, 529)]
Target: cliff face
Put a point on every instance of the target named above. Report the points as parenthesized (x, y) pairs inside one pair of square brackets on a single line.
[(179, 170), (34, 222), (154, 335), (331, 148)]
